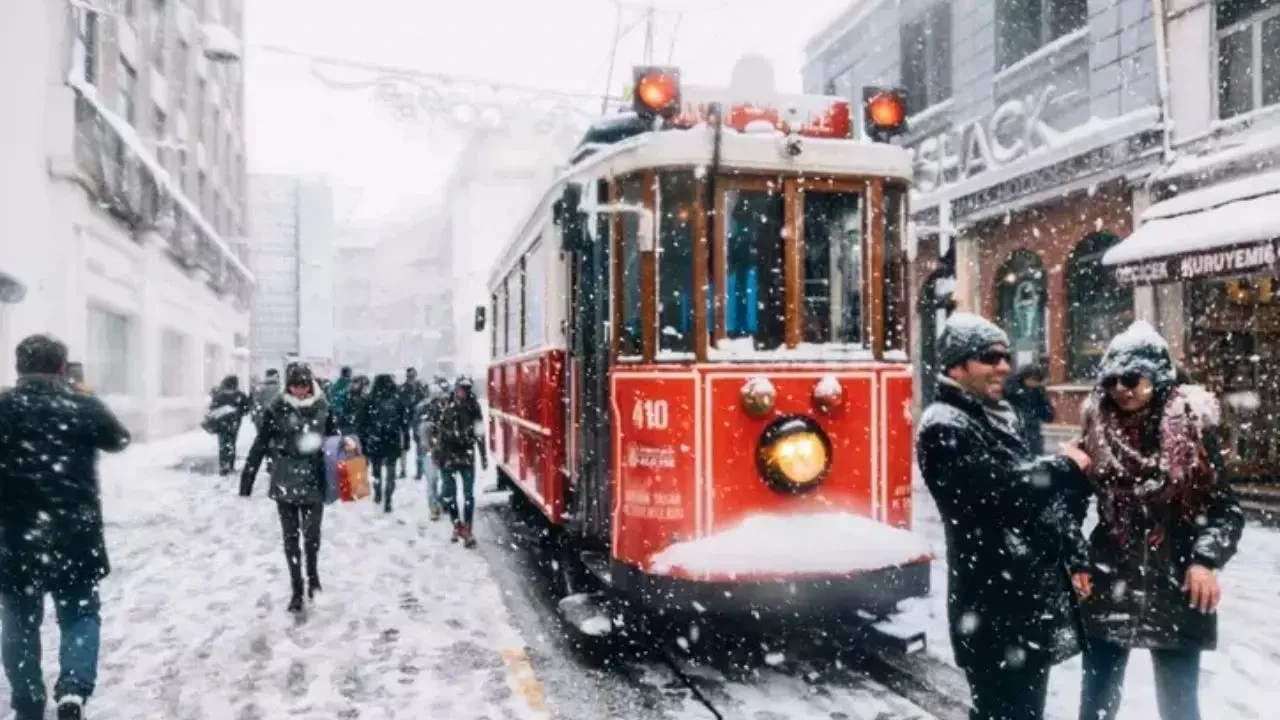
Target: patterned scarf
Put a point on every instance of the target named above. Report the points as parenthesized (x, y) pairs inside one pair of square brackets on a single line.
[(1170, 481)]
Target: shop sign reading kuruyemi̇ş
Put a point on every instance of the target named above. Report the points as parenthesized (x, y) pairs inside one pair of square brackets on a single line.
[(1241, 260)]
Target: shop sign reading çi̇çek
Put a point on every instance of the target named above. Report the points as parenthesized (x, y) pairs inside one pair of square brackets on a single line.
[(1235, 261)]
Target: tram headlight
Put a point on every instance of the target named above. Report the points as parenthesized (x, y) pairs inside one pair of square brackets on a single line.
[(793, 455)]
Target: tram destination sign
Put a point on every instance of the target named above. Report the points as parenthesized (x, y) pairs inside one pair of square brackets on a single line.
[(1236, 261)]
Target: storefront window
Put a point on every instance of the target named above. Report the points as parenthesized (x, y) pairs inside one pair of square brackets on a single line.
[(1020, 290), (754, 306), (832, 267), (630, 335), (1098, 308), (675, 261)]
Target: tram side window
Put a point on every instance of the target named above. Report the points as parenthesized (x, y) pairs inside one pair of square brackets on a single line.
[(754, 273), (494, 319), (833, 267), (675, 261), (895, 270), (630, 335), (524, 305), (533, 296), (507, 315)]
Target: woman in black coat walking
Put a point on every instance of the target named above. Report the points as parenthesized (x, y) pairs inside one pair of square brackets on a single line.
[(383, 423), (1167, 520), (295, 424), (227, 409)]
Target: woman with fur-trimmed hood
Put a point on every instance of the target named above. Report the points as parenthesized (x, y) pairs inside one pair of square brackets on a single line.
[(295, 425), (1168, 520)]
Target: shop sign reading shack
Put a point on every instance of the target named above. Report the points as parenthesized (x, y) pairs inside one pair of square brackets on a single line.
[(1238, 261), (1013, 131)]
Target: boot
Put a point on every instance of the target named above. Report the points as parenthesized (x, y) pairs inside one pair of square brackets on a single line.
[(457, 532), (313, 588), (468, 540), (71, 707), (295, 583), (435, 513), (377, 493)]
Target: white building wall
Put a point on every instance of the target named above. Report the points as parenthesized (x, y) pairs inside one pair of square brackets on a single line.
[(315, 269), (77, 262), (293, 256)]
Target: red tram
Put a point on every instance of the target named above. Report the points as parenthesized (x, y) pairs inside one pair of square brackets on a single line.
[(699, 372)]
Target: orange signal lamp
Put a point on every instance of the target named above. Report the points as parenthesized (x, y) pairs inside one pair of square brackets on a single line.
[(657, 92), (886, 110), (884, 113)]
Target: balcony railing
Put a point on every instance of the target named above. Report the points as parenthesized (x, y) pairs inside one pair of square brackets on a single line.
[(130, 184)]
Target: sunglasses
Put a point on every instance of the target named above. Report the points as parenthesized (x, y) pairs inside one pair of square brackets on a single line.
[(994, 357), (1129, 381)]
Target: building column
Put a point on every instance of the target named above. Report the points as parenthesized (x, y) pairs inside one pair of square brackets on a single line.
[(148, 337), (1144, 297), (968, 293)]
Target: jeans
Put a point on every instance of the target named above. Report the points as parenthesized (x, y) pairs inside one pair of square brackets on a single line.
[(1004, 691), (227, 451), (449, 488), (1177, 682), (432, 475), (384, 480), (301, 521), (80, 624)]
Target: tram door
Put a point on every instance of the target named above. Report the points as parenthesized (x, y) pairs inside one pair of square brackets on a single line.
[(589, 316)]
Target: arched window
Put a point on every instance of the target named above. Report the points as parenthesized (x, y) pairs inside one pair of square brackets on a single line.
[(1098, 308), (1020, 292)]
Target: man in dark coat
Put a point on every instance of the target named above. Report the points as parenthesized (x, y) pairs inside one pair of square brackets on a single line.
[(265, 394), (295, 424), (51, 529), (454, 442), (1025, 392), (412, 392), (382, 424), (1011, 542), (338, 397), (227, 409)]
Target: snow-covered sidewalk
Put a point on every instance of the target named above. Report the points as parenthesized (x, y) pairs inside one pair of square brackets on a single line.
[(194, 621), (1237, 681)]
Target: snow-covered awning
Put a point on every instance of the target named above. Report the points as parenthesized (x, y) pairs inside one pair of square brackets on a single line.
[(164, 183), (1227, 230)]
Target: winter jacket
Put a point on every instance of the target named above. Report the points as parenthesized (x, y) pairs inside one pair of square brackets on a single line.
[(382, 424), (227, 409), (1033, 408), (454, 438), (263, 396), (1138, 561), (411, 393), (51, 529), (295, 430), (427, 416), (338, 396), (1010, 537)]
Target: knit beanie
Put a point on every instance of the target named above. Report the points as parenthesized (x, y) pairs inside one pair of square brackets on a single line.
[(966, 336), (1139, 350)]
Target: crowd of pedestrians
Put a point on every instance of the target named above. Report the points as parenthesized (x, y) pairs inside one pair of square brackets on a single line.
[(1026, 590)]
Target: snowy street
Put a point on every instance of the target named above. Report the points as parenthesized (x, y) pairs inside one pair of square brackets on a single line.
[(410, 626), (194, 621)]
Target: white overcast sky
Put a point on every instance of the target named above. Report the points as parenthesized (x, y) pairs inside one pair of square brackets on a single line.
[(297, 125)]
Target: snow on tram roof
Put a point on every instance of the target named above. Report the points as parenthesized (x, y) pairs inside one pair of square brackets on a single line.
[(750, 152)]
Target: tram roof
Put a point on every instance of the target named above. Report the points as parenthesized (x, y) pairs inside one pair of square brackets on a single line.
[(750, 153)]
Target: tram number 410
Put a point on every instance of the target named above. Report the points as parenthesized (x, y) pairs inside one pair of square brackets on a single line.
[(651, 415)]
